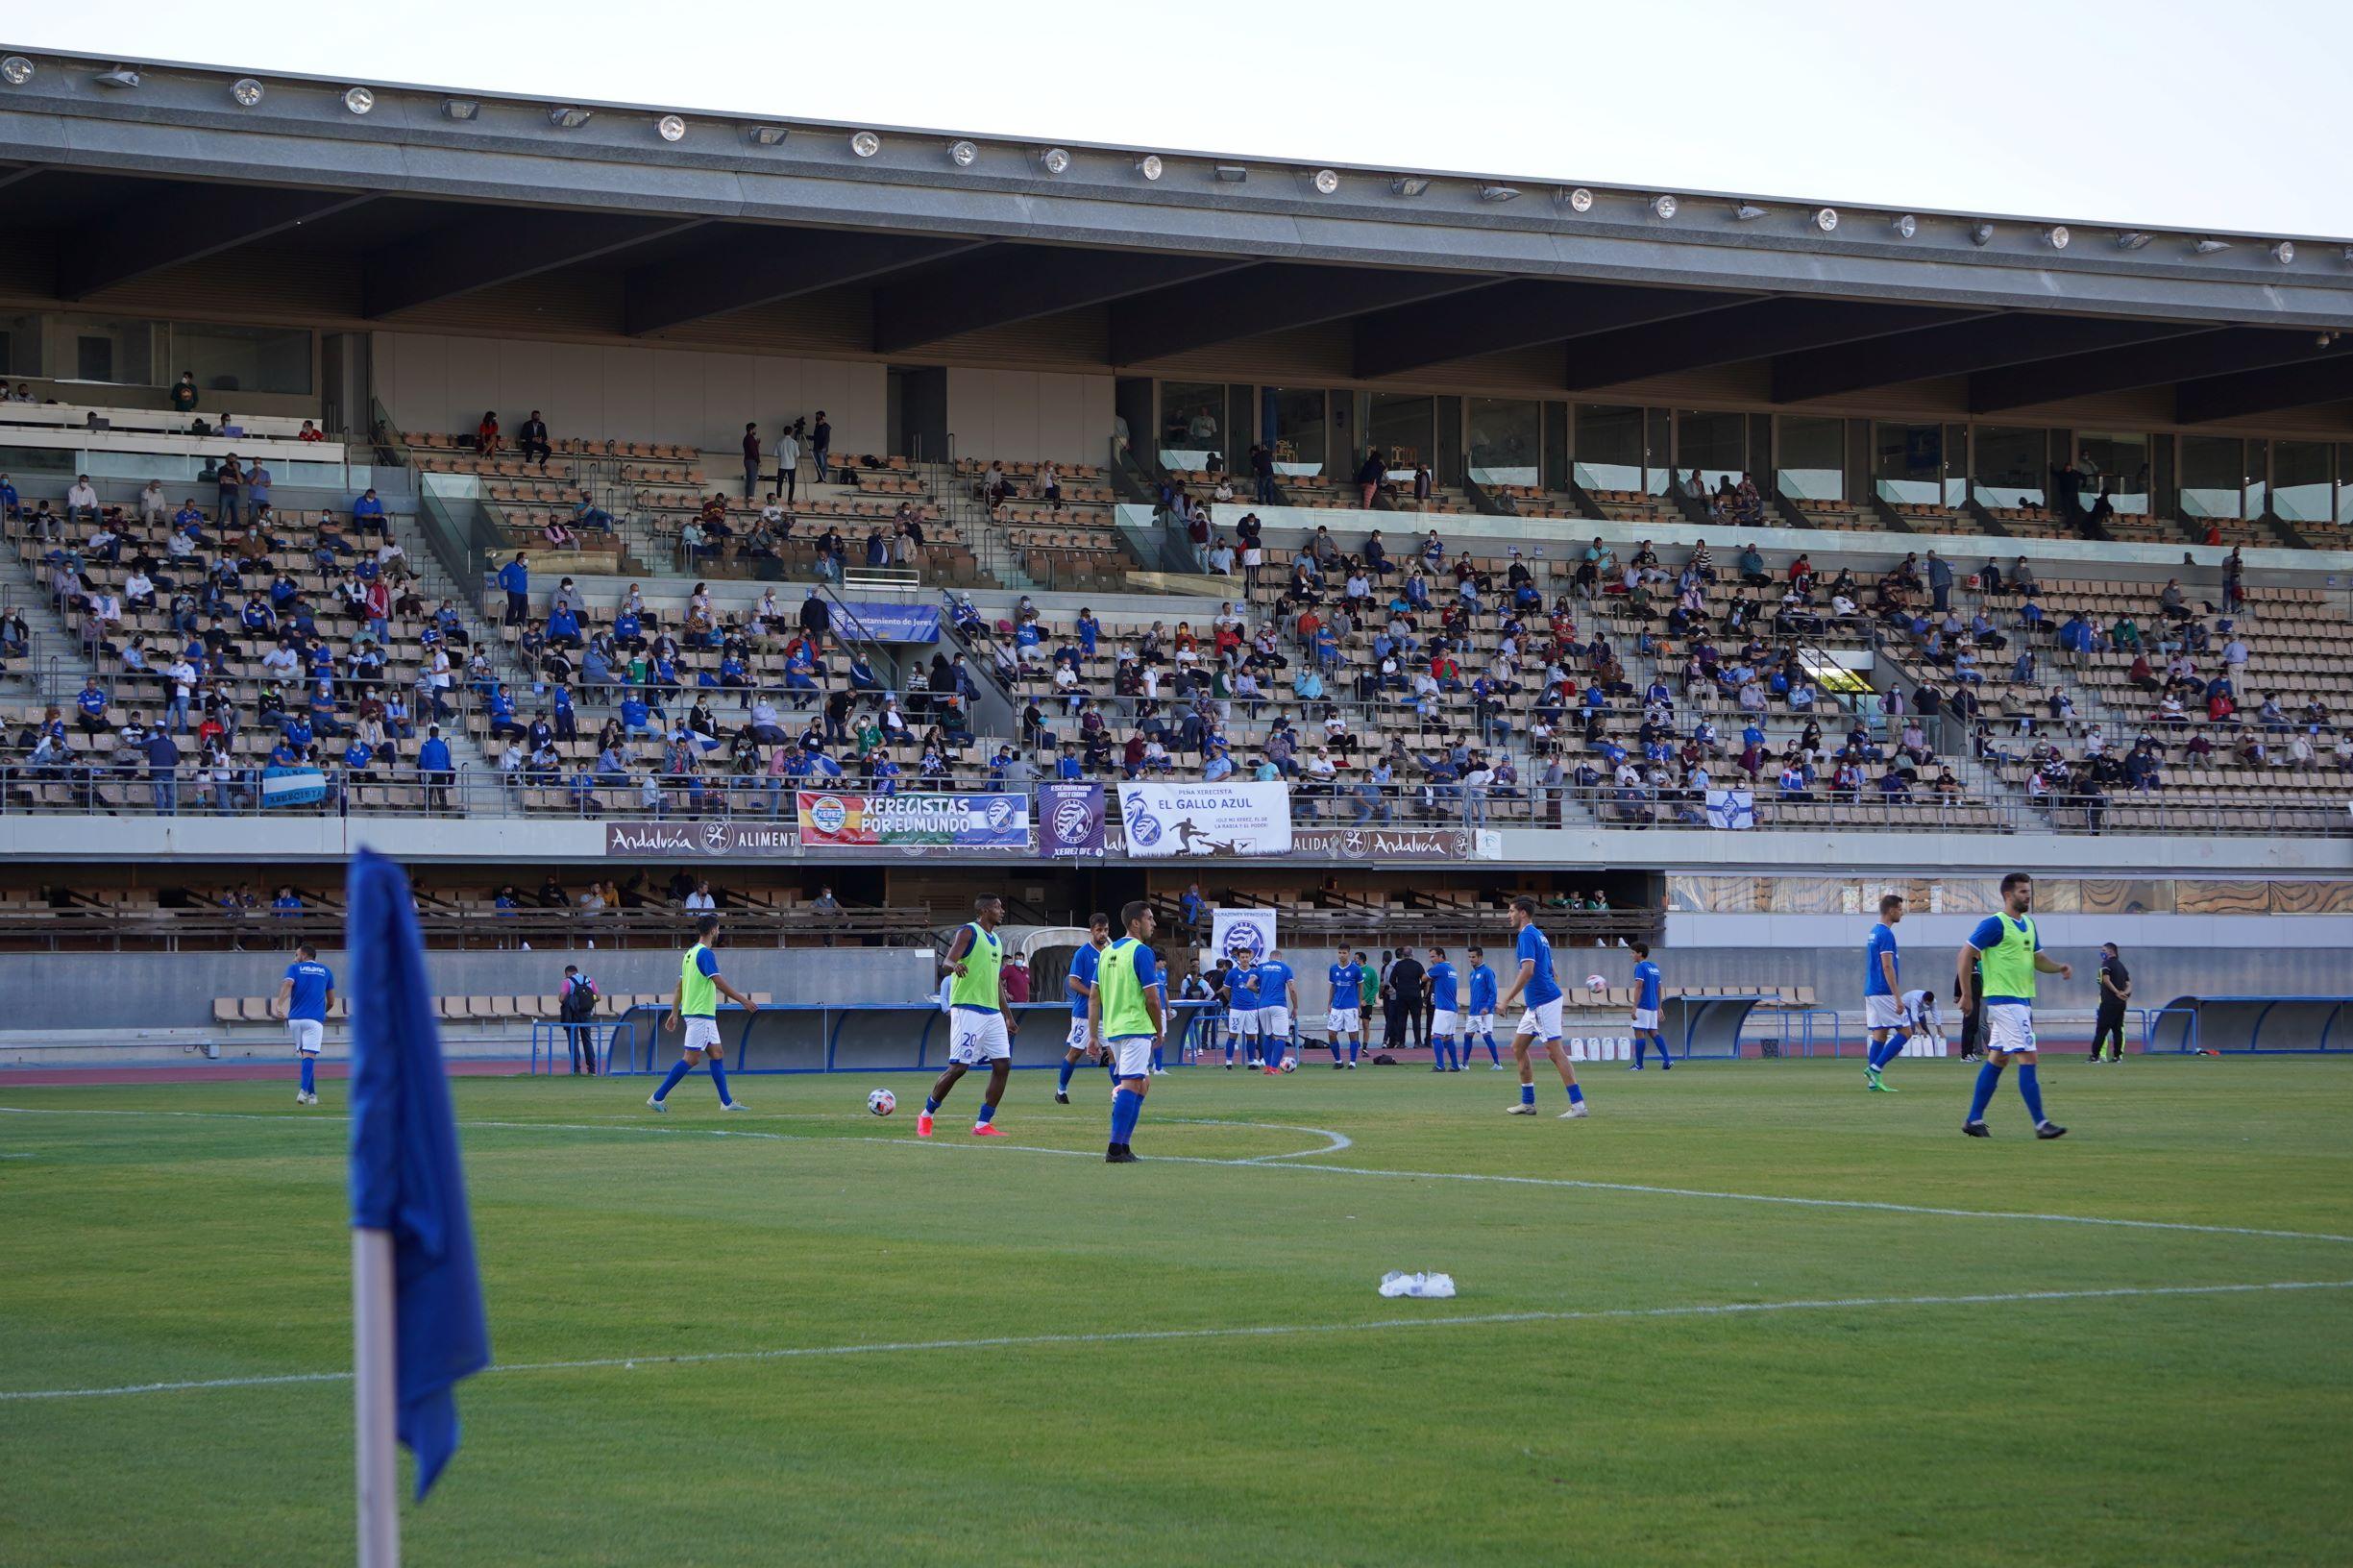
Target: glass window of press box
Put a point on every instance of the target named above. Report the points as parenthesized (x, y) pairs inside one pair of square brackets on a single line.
[(2013, 466), (1194, 423), (2117, 466), (1921, 464), (1610, 448), (1506, 445), (123, 351), (2301, 487), (1291, 419), (1715, 444), (1811, 459), (2221, 477)]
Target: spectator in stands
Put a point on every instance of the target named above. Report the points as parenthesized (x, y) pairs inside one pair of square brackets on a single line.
[(309, 432), (1752, 567), (487, 438), (821, 445), (258, 492), (788, 460), (81, 502), (184, 393), (515, 578)]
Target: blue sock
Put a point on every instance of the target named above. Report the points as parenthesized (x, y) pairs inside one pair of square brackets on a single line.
[(1352, 1050), (1988, 1076), (1155, 1062), (1110, 1069), (2030, 1090), (1063, 1085), (718, 1079), (930, 1104), (1878, 1054), (1126, 1105), (1494, 1056), (1229, 1050), (1335, 1053), (310, 1073), (678, 1069), (1660, 1042), (1576, 1094), (1642, 1043), (1528, 1094), (988, 1112)]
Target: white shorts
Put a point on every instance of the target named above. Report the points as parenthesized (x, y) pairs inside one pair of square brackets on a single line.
[(2009, 1026), (1882, 1013), (1481, 1024), (1132, 1055), (1275, 1022), (1342, 1021), (1541, 1021), (1646, 1017), (1244, 1021), (307, 1034), (1445, 1023), (1077, 1040), (974, 1038), (702, 1034)]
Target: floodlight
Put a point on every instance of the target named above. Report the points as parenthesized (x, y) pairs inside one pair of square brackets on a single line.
[(17, 69), (671, 127), (1233, 174), (2056, 236), (1664, 207), (1825, 218), (1747, 213), (359, 100), (766, 135), (1150, 167), (1327, 181), (962, 154), (1055, 161), (245, 91), (2284, 253), (1411, 185), (1581, 200), (1982, 234), (2209, 247), (461, 109), (121, 76), (569, 116), (1498, 193), (2132, 239), (865, 144), (1905, 227)]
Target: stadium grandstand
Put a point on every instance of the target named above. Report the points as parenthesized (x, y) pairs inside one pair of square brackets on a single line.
[(763, 477)]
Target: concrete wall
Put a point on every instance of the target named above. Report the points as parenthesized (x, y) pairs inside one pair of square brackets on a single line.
[(175, 991), (1029, 415), (429, 381)]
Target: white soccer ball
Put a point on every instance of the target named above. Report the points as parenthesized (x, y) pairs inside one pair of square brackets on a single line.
[(1595, 984), (882, 1102), (1291, 1063)]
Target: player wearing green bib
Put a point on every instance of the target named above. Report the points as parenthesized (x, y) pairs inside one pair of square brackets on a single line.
[(695, 1010), (2006, 953), (980, 1026), (1127, 1013)]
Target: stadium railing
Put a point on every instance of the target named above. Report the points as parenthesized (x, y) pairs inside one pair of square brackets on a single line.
[(96, 927)]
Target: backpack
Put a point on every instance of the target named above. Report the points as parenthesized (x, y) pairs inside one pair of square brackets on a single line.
[(579, 999)]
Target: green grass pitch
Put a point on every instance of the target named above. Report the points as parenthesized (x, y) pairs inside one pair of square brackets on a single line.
[(1592, 1396)]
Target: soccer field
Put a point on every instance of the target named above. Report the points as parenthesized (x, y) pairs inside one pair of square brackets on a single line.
[(798, 1334)]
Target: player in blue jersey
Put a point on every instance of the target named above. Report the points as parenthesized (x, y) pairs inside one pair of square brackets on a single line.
[(2006, 954), (1341, 1019), (1883, 993), (694, 1011), (1649, 986), (1278, 989), (1445, 1013), (1481, 1020), (304, 997), (1080, 985), (1241, 999), (1534, 982)]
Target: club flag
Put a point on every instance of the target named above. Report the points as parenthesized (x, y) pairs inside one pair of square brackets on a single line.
[(406, 1178)]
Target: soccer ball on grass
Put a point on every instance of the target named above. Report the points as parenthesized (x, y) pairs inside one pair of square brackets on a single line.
[(882, 1102)]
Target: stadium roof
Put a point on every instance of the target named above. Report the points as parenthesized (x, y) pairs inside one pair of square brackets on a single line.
[(591, 218)]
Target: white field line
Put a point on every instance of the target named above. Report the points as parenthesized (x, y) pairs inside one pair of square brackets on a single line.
[(1273, 1162), (1602, 1314)]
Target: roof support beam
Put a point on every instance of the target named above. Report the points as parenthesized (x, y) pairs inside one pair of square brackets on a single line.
[(2221, 351), (186, 225), (2327, 378), (1519, 313), (497, 248), (1015, 283), (759, 268), (1263, 298), (1955, 349), (1730, 337)]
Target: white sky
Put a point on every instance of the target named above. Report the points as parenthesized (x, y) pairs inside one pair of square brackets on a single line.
[(2182, 112)]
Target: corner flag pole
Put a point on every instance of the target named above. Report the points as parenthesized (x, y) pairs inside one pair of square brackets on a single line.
[(375, 1398)]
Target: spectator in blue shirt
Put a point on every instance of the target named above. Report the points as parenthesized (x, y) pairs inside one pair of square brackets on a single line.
[(92, 707), (368, 514), (503, 721), (1090, 631), (434, 770), (636, 717), (515, 577)]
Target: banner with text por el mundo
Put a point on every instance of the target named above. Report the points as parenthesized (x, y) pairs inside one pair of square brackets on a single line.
[(835, 819)]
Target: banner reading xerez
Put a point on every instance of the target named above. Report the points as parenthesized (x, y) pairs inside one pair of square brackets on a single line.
[(1165, 820), (836, 819)]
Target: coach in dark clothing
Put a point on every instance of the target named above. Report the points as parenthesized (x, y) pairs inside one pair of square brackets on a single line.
[(2115, 993), (532, 441), (1402, 1015), (816, 616)]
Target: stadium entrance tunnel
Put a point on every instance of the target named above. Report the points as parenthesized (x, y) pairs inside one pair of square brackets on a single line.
[(2265, 1026), (857, 1037)]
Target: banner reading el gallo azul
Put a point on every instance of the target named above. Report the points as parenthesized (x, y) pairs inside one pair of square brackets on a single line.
[(1206, 818), (849, 818)]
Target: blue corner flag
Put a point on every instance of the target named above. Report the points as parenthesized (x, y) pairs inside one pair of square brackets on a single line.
[(405, 1174)]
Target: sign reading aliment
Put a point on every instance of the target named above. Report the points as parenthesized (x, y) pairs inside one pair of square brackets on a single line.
[(1200, 820), (697, 839), (850, 819)]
